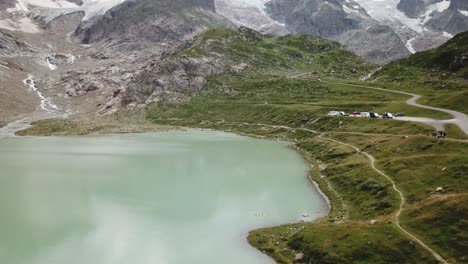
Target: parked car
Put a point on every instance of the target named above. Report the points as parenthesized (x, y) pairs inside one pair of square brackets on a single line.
[(356, 113), (374, 115), (365, 114), (439, 134), (334, 113), (400, 114), (387, 116)]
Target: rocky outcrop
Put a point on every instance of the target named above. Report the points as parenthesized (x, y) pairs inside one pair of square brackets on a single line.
[(11, 46), (173, 81)]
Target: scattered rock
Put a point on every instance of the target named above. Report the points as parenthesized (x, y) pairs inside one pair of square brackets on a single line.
[(440, 189), (299, 257)]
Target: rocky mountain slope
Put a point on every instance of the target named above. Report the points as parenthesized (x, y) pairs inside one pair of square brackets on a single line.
[(43, 43), (141, 52), (381, 31), (243, 51), (145, 20)]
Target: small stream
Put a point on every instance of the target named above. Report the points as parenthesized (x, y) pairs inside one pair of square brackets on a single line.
[(46, 103)]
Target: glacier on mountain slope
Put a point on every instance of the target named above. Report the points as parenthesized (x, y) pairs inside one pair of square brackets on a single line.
[(250, 13), (50, 9), (98, 7)]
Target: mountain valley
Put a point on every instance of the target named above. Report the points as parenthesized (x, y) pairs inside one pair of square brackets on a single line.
[(271, 69)]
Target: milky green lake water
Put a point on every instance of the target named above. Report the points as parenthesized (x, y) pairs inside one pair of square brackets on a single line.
[(175, 198)]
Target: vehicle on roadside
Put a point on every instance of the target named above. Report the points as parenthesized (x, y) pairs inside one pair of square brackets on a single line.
[(334, 113), (374, 115), (365, 114), (356, 113), (387, 116), (439, 134), (400, 114)]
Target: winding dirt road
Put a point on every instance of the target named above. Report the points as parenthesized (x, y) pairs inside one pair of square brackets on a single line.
[(459, 119)]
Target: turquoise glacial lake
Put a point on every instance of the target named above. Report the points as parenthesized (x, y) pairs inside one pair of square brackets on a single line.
[(157, 198)]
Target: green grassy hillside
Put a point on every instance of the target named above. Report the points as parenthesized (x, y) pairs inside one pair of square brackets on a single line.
[(440, 74), (267, 54)]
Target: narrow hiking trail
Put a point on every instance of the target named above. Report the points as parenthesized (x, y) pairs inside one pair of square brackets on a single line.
[(459, 119), (372, 161)]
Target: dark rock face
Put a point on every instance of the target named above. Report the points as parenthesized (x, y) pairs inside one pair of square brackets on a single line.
[(460, 4), (415, 8), (4, 4), (78, 2), (65, 23), (451, 20), (322, 18), (378, 43), (149, 20), (10, 45)]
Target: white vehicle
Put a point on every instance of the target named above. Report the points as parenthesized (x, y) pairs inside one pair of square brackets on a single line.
[(365, 114), (334, 113), (388, 116)]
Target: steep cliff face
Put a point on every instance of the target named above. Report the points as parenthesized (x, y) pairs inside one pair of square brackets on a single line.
[(157, 21)]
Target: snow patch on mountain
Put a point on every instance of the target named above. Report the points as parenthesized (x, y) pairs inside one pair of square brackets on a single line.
[(409, 45), (447, 35), (386, 11), (437, 7), (94, 8), (463, 12)]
